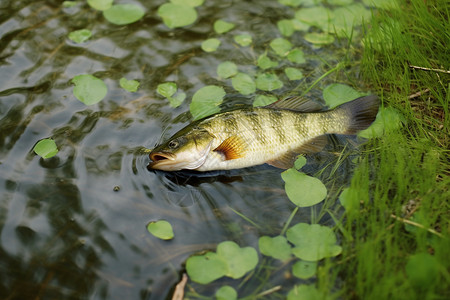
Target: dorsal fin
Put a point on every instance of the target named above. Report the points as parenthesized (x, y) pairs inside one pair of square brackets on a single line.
[(232, 148), (296, 103), (287, 160)]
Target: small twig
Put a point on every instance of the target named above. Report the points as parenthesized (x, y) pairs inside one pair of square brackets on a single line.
[(418, 94), (178, 294), (269, 291), (406, 221), (430, 69)]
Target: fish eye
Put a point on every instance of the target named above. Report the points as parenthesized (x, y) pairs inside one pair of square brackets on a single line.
[(173, 144)]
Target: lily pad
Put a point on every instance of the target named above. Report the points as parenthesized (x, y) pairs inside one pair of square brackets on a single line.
[(239, 260), (100, 4), (304, 269), (345, 18), (264, 62), (281, 46), (263, 100), (192, 3), (206, 268), (244, 84), (305, 292), (46, 148), (226, 292), (276, 247), (161, 229), (300, 162), (336, 94), (350, 200), (221, 26), (313, 242), (388, 119), (286, 27), (123, 14), (293, 73), (227, 69), (303, 190), (89, 89), (129, 85), (210, 45), (176, 100), (243, 40), (268, 82), (206, 101), (319, 38), (300, 25), (177, 15), (80, 36), (296, 56), (166, 89), (316, 16)]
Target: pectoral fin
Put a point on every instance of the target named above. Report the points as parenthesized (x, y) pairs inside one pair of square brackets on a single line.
[(232, 148), (287, 160)]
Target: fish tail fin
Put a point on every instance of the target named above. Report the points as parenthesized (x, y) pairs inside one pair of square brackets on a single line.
[(361, 112)]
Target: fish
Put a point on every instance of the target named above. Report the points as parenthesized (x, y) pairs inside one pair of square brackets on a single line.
[(274, 134)]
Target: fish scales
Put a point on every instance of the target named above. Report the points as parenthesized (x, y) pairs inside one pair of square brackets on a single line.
[(252, 136)]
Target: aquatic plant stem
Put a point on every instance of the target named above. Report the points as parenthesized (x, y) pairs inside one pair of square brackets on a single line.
[(289, 221), (245, 218), (322, 77)]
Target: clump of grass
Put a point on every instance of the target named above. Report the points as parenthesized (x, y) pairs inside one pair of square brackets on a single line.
[(403, 182)]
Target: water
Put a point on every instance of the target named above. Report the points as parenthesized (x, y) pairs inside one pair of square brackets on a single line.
[(74, 226)]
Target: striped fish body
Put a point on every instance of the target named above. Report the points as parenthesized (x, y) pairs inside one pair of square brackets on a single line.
[(275, 134)]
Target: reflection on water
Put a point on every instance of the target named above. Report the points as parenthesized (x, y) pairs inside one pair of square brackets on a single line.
[(74, 226)]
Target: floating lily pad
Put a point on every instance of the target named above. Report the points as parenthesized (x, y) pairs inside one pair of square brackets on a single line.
[(300, 25), (167, 89), (305, 292), (276, 247), (319, 38), (80, 36), (313, 242), (129, 85), (177, 15), (100, 4), (227, 69), (268, 82), (221, 26), (350, 200), (206, 100), (303, 190), (210, 45), (46, 148), (293, 73), (304, 269), (192, 3), (264, 62), (300, 162), (123, 14), (286, 27), (336, 94), (226, 292), (345, 18), (89, 89), (244, 84), (176, 100), (281, 46), (316, 16), (296, 56), (243, 40), (388, 119), (206, 268), (161, 229), (263, 100), (239, 260)]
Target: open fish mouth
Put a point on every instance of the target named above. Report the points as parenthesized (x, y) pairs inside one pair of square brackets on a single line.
[(161, 159)]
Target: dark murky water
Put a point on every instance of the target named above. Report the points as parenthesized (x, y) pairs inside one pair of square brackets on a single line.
[(65, 233)]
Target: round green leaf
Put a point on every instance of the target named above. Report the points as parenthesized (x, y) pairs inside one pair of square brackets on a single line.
[(239, 260), (303, 190), (176, 100), (316, 16), (313, 242), (293, 73), (268, 82), (227, 69), (210, 45), (305, 292), (263, 100), (123, 14), (129, 85), (384, 4), (206, 268), (100, 4), (388, 119), (300, 162), (192, 3), (161, 229), (221, 26), (226, 293), (304, 269), (264, 62), (80, 36), (286, 27), (244, 84), (243, 39), (296, 56), (206, 101), (300, 25), (319, 38), (89, 89), (336, 94), (46, 148), (281, 46), (293, 3), (276, 247), (177, 15), (166, 89), (350, 200)]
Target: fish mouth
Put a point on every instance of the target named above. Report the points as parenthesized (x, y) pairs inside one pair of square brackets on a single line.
[(161, 159)]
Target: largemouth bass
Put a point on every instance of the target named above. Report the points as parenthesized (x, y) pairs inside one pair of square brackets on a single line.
[(275, 134)]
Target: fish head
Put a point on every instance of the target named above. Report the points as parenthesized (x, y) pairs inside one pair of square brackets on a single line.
[(185, 150)]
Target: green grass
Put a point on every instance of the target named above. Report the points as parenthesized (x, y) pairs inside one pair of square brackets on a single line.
[(403, 182)]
